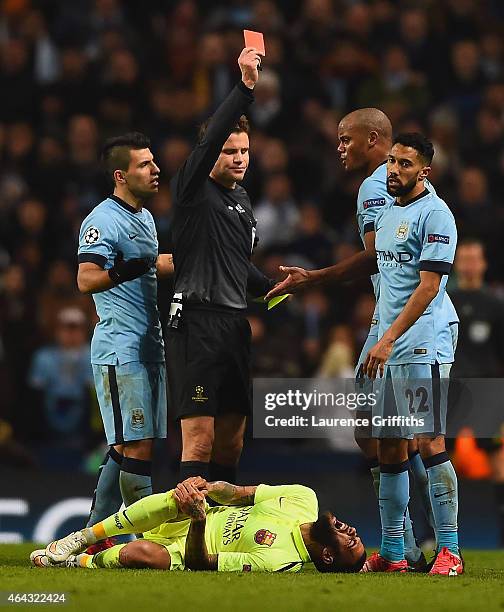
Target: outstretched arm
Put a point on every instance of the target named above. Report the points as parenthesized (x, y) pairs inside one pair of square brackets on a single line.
[(352, 268), (203, 157)]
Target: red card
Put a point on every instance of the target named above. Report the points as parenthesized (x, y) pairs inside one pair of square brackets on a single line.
[(256, 40)]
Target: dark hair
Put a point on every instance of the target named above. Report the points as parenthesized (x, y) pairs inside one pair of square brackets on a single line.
[(416, 141), (241, 126), (337, 567), (116, 151)]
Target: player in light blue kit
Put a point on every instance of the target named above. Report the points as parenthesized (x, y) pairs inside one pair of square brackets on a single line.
[(415, 240), (371, 198), (365, 141), (118, 261)]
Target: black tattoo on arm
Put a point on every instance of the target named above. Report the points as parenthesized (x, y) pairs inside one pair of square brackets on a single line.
[(196, 553), (244, 496), (231, 495), (196, 510)]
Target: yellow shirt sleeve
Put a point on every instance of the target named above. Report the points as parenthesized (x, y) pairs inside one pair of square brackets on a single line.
[(265, 492), (300, 503)]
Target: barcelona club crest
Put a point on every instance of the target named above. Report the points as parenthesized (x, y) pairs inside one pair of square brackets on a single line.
[(402, 231), (263, 536)]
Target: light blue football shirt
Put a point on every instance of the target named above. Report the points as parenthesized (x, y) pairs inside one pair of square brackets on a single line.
[(129, 328), (419, 236), (372, 196)]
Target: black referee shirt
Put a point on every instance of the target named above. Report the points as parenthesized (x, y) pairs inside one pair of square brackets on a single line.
[(480, 350), (213, 227)]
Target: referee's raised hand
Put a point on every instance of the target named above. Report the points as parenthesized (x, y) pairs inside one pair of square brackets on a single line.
[(248, 61)]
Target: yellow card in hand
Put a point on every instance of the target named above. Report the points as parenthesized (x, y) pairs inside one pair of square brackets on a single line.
[(276, 300)]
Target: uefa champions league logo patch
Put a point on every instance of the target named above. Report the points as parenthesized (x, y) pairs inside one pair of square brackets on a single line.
[(402, 231), (92, 235), (199, 394)]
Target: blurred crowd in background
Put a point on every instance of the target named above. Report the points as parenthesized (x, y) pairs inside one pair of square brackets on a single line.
[(75, 73)]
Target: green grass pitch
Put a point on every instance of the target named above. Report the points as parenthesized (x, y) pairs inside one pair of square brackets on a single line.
[(481, 588)]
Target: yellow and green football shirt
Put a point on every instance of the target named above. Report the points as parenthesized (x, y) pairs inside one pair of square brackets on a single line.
[(263, 537)]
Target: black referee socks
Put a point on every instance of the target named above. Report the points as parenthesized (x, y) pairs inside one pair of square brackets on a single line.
[(193, 468), (227, 473)]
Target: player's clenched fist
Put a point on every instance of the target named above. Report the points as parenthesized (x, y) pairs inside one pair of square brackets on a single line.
[(198, 483), (190, 501), (248, 61)]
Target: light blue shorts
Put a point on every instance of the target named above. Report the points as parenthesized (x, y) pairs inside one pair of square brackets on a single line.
[(412, 400), (132, 400)]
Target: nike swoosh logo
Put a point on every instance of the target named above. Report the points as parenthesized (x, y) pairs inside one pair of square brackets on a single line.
[(132, 236), (142, 488), (126, 517), (446, 493)]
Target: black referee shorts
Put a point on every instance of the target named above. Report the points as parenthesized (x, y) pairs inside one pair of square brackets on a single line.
[(208, 364)]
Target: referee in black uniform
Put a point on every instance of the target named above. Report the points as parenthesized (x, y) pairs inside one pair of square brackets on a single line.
[(208, 336), (480, 350)]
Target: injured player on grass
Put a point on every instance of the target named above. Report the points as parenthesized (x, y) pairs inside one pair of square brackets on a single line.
[(255, 528)]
